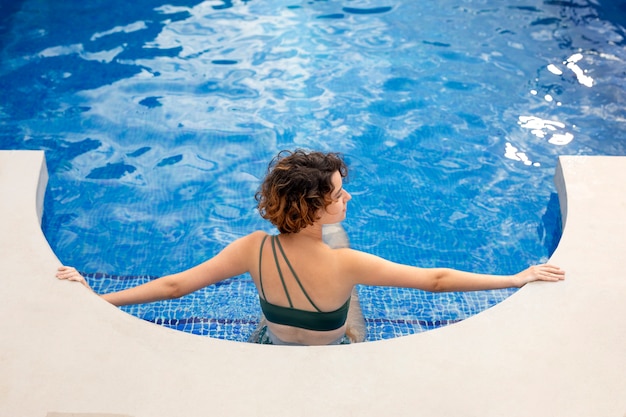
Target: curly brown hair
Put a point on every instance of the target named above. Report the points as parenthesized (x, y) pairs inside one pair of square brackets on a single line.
[(297, 185)]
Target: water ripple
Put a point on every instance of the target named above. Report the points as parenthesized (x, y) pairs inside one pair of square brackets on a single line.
[(167, 116)]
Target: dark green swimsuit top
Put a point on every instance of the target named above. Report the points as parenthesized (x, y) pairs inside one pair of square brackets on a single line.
[(311, 320)]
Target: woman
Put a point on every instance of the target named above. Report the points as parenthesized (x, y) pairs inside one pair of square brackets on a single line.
[(304, 285)]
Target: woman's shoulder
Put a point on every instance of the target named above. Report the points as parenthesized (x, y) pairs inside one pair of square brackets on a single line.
[(250, 240), (244, 249), (258, 234), (255, 238), (349, 259), (361, 266), (353, 255)]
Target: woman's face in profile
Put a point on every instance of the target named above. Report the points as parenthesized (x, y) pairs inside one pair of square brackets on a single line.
[(336, 211)]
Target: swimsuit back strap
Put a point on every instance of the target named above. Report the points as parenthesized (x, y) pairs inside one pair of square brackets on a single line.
[(260, 258), (280, 273), (282, 252)]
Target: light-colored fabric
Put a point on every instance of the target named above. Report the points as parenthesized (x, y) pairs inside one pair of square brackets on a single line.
[(264, 336)]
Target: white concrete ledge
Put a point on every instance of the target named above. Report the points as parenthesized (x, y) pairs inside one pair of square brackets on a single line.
[(549, 350)]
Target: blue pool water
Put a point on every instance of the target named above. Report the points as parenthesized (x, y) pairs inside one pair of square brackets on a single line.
[(158, 120)]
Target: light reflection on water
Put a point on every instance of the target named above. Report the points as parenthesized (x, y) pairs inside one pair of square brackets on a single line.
[(159, 120), (553, 130)]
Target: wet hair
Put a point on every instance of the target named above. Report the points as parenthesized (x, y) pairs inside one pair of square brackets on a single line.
[(297, 185)]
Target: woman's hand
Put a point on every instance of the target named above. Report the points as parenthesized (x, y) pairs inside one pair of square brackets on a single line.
[(71, 274), (544, 272)]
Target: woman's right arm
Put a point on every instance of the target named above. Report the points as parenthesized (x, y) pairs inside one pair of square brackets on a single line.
[(372, 270)]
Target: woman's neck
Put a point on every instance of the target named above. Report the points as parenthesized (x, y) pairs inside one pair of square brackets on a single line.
[(313, 231)]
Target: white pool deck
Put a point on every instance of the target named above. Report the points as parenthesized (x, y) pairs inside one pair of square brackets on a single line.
[(549, 350)]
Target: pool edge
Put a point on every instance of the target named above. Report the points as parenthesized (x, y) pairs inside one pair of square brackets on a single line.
[(550, 350)]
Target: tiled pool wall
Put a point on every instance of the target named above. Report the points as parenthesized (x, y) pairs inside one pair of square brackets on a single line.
[(230, 309), (542, 352)]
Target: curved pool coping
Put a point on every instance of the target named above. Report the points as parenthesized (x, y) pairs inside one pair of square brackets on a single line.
[(548, 350)]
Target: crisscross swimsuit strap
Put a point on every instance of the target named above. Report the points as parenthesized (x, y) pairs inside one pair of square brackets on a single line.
[(275, 240), (312, 320)]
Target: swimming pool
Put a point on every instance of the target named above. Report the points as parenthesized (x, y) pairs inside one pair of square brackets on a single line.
[(159, 119)]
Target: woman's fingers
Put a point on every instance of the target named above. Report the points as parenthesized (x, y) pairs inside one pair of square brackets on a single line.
[(71, 274), (548, 272), (543, 272), (66, 272)]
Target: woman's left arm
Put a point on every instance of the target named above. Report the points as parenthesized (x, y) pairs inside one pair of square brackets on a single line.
[(231, 261)]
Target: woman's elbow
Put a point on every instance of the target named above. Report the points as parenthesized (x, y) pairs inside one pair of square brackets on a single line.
[(175, 293), (172, 288), (438, 282)]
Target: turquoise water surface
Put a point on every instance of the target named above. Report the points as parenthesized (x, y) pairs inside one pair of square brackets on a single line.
[(159, 118)]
